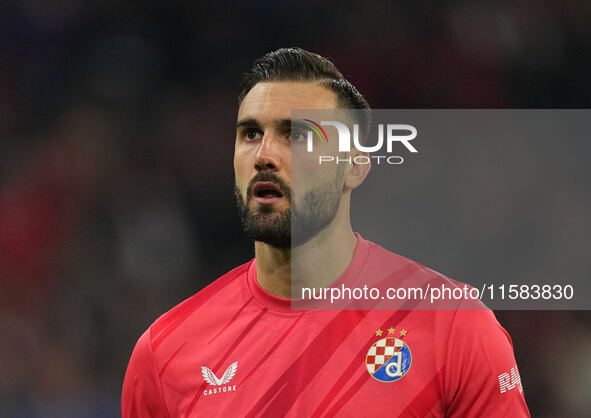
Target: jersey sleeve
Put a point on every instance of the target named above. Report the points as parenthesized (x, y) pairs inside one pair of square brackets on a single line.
[(481, 375), (142, 394)]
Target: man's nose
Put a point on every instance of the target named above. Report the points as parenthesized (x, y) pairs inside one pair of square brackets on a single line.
[(268, 157)]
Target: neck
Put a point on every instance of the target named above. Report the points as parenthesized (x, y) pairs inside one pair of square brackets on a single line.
[(315, 264)]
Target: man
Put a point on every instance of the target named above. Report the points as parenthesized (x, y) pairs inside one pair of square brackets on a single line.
[(237, 348)]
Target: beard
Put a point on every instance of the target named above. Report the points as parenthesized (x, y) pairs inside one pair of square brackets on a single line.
[(296, 225)]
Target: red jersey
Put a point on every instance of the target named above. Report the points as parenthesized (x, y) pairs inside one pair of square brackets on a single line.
[(233, 350)]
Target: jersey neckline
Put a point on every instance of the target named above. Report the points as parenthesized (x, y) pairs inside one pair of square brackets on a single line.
[(277, 303)]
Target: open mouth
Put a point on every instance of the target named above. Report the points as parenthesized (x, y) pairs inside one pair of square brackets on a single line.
[(266, 192)]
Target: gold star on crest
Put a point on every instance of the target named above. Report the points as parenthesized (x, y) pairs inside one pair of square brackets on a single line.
[(403, 332), (391, 330), (379, 332)]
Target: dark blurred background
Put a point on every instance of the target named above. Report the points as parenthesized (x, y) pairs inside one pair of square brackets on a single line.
[(116, 141)]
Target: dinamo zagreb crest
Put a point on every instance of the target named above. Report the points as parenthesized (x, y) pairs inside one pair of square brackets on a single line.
[(388, 359)]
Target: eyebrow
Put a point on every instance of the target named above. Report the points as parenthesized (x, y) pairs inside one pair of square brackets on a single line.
[(253, 123), (248, 122)]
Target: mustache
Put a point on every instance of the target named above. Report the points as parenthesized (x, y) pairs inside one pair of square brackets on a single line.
[(271, 177)]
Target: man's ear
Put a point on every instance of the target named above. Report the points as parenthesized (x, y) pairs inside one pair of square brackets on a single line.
[(358, 170)]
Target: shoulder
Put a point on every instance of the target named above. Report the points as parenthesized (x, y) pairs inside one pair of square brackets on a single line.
[(142, 389), (481, 374), (170, 320), (389, 261), (429, 288)]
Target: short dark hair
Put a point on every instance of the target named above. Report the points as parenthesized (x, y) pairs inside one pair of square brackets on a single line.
[(297, 64)]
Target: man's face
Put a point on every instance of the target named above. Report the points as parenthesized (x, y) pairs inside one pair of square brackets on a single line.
[(263, 166)]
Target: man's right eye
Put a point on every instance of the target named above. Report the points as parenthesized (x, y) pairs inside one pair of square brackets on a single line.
[(252, 134)]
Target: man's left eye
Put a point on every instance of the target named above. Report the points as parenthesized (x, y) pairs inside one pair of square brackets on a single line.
[(297, 136)]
